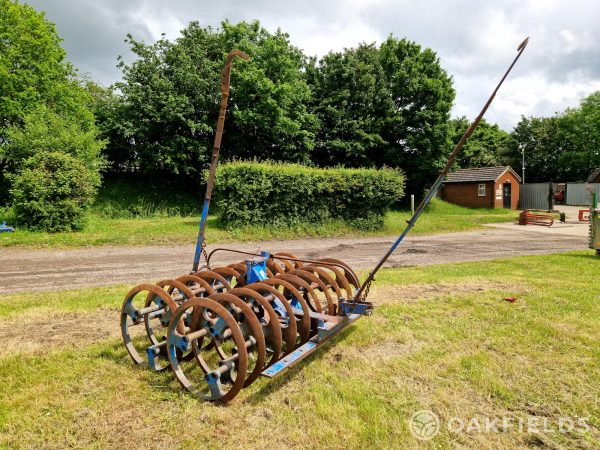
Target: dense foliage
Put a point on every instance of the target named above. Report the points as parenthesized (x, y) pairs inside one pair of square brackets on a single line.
[(286, 194), (417, 132), (351, 100), (43, 107), (564, 147), (32, 70), (170, 97), (52, 191), (370, 106), (365, 106), (489, 145)]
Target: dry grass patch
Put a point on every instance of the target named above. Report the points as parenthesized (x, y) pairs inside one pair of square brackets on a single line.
[(38, 333)]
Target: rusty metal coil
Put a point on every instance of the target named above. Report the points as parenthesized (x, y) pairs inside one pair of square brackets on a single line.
[(527, 218)]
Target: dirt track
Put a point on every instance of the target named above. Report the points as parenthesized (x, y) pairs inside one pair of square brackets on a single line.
[(25, 270)]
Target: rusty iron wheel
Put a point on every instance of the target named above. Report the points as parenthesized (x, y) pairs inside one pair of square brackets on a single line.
[(287, 321), (252, 330), (157, 303), (292, 294), (223, 382), (317, 285), (217, 282), (350, 274), (266, 316)]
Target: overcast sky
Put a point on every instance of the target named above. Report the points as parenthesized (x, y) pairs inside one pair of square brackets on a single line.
[(475, 40)]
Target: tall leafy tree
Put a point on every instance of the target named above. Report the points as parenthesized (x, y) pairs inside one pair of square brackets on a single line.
[(32, 66), (170, 98), (583, 125), (416, 130), (487, 146), (386, 105), (42, 105), (270, 99), (351, 99), (537, 137), (564, 147)]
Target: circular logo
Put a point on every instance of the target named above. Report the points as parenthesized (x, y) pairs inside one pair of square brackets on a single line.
[(424, 425)]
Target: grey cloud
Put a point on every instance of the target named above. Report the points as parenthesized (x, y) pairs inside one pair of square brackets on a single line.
[(93, 33), (475, 40)]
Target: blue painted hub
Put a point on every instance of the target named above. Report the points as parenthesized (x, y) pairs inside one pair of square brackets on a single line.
[(256, 268), (279, 308), (296, 303), (219, 326)]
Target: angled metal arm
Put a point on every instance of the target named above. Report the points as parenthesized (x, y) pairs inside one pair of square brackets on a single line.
[(364, 289), (225, 83)]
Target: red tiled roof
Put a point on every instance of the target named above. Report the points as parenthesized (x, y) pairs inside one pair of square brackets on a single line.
[(479, 174)]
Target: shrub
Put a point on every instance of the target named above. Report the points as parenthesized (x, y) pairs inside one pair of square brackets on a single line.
[(290, 194), (52, 192), (134, 195)]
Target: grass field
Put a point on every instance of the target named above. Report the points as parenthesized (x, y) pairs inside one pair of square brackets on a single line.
[(441, 338), (154, 223)]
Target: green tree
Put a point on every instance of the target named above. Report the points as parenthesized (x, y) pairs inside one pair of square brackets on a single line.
[(489, 145), (32, 67), (537, 136), (383, 106), (417, 128), (45, 130), (581, 128), (351, 100), (564, 147), (42, 105), (170, 97), (270, 115), (52, 191), (106, 106)]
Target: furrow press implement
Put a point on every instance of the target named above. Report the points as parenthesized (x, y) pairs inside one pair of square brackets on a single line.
[(219, 328)]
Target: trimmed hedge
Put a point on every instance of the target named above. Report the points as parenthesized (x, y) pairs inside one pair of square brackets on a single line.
[(290, 194)]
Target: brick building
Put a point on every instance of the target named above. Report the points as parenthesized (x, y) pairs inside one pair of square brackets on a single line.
[(483, 187)]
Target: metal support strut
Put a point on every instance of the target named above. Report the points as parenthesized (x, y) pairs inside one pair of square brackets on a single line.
[(225, 83), (362, 293)]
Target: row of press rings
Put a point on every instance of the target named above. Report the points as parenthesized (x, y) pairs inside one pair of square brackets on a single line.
[(217, 333)]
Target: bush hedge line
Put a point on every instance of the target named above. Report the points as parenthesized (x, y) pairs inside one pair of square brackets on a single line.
[(290, 194), (52, 192)]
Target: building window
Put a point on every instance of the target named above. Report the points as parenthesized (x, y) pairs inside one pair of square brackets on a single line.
[(481, 190)]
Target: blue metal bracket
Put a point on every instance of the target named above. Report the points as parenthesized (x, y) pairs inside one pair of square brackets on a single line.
[(326, 331), (219, 326), (214, 384), (5, 228), (179, 342), (350, 307), (153, 352), (256, 268), (286, 362)]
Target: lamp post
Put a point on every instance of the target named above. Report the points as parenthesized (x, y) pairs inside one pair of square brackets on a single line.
[(523, 164)]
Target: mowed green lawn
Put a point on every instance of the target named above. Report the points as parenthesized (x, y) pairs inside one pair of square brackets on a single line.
[(159, 228), (441, 339)]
